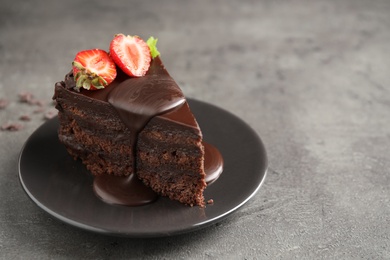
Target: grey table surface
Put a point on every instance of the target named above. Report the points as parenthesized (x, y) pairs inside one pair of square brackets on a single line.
[(310, 77)]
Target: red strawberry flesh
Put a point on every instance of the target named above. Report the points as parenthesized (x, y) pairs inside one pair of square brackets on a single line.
[(95, 67), (131, 54)]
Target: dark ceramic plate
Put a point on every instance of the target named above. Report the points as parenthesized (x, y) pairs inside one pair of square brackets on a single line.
[(63, 187)]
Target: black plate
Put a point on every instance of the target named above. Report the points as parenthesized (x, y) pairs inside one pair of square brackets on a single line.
[(63, 187)]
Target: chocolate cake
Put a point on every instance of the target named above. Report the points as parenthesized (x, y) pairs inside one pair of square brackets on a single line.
[(137, 136)]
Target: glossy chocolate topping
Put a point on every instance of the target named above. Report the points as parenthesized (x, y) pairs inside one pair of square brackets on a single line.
[(137, 100)]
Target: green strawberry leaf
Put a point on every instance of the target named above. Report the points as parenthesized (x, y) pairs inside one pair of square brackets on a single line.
[(152, 43)]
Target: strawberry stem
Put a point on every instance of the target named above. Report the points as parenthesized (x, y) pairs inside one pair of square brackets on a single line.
[(152, 43)]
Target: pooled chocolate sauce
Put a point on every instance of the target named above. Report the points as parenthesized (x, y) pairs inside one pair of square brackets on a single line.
[(213, 163), (129, 191)]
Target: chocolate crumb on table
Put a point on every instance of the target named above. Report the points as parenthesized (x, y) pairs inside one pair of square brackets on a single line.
[(38, 110), (3, 103), (11, 126), (25, 117), (39, 103), (29, 99), (26, 97)]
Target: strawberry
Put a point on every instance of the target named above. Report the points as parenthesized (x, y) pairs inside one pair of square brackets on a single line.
[(93, 69), (131, 54)]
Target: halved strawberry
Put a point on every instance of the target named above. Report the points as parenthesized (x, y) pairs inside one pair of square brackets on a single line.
[(131, 54), (93, 69)]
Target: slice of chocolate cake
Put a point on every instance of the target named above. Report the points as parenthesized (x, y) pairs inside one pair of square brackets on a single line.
[(140, 126), (128, 121)]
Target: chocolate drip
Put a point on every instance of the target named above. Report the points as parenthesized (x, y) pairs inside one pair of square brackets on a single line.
[(213, 163), (138, 100)]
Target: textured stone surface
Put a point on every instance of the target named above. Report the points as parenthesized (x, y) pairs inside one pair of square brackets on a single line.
[(311, 77)]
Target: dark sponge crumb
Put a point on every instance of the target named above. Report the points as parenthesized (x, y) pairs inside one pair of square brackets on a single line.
[(11, 126), (26, 97), (3, 103), (29, 99), (25, 117)]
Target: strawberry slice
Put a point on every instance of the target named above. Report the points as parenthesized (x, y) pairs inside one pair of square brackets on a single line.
[(93, 69), (131, 54)]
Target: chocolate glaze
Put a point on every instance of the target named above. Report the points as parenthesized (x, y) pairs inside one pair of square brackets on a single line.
[(137, 100)]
